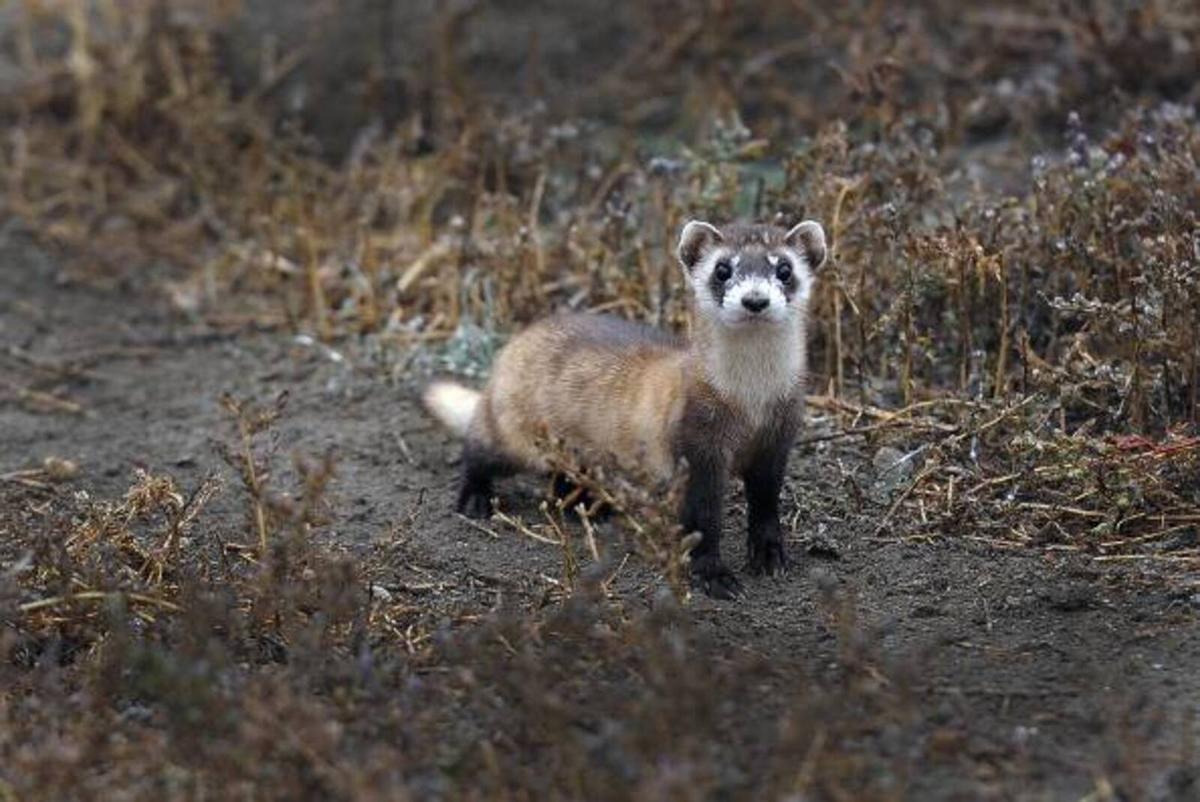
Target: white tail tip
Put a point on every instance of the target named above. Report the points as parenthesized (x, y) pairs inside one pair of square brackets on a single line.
[(452, 404)]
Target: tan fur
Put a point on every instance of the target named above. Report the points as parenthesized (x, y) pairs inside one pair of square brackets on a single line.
[(553, 379)]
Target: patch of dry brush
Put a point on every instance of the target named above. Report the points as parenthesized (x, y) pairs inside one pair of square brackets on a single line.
[(148, 654)]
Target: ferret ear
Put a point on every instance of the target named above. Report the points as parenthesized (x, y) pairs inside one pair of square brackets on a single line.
[(808, 238), (696, 238)]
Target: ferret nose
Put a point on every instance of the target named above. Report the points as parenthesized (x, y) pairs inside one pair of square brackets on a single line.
[(756, 303)]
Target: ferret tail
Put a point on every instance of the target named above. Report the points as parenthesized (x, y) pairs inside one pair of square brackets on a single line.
[(452, 404)]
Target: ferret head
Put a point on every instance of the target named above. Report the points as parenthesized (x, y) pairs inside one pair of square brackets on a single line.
[(751, 275)]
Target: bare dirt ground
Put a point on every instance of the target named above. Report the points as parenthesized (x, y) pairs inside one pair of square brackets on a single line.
[(972, 671)]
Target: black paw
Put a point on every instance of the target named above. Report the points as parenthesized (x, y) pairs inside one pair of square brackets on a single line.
[(766, 555), (710, 575), (474, 505)]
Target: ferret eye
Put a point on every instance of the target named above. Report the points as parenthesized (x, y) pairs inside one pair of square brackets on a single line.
[(783, 271), (723, 271)]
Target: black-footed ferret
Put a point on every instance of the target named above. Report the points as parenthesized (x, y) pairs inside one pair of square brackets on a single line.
[(730, 399)]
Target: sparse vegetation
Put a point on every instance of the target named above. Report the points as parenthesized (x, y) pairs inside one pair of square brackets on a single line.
[(1008, 328)]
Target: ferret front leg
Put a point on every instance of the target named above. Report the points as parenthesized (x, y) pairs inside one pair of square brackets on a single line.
[(763, 477), (702, 512)]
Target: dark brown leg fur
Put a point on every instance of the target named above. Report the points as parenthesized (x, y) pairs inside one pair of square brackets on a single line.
[(763, 477), (481, 466), (702, 511)]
